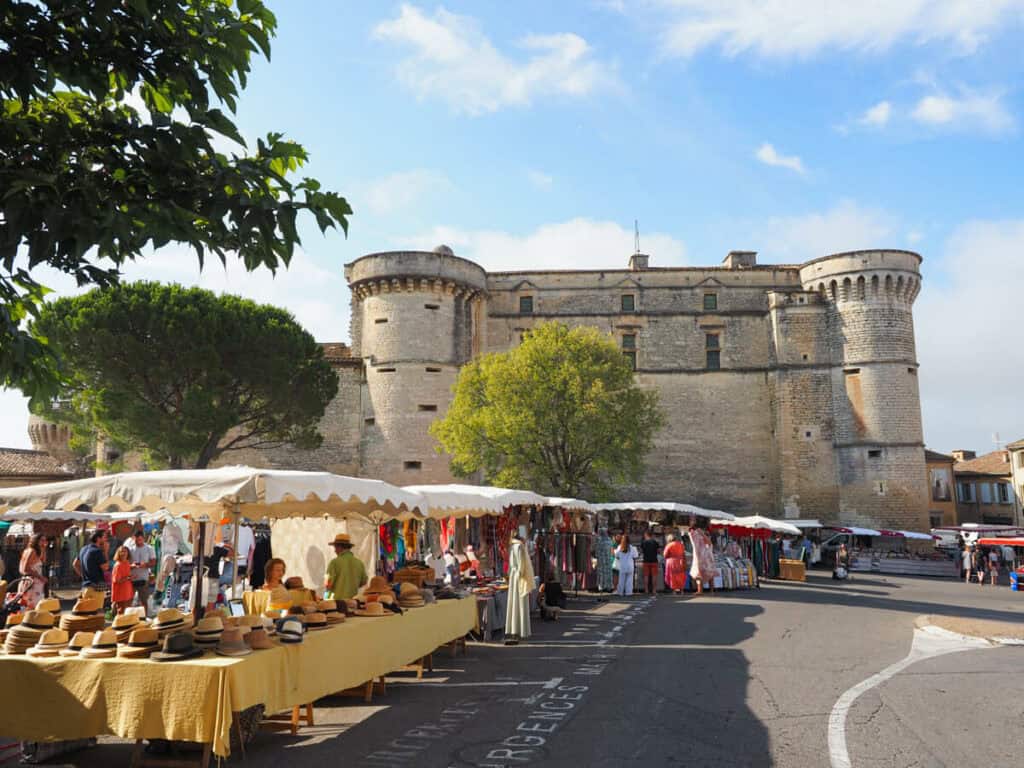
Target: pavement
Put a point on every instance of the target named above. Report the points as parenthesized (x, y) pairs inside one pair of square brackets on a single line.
[(747, 678)]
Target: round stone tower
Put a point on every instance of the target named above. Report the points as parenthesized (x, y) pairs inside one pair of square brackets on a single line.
[(876, 409), (50, 437), (416, 318)]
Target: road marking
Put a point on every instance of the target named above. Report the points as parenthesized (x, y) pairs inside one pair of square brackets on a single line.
[(549, 684), (928, 643)]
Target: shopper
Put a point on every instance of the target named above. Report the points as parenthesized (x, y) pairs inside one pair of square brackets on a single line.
[(604, 552), (121, 591), (993, 566), (345, 573), (92, 565), (842, 569), (273, 574), (649, 550), (675, 564), (143, 560), (966, 563), (32, 565), (978, 563), (624, 556)]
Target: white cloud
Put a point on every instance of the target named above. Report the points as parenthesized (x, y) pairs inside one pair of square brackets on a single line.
[(767, 154), (540, 179), (575, 244), (969, 110), (846, 226), (967, 320), (877, 116), (785, 28), (399, 191), (453, 60)]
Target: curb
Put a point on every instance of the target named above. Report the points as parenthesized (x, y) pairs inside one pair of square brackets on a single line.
[(925, 622)]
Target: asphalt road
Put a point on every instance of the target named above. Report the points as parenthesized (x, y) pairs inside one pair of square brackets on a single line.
[(733, 679)]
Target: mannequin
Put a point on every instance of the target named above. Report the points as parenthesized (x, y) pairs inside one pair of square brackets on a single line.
[(520, 585)]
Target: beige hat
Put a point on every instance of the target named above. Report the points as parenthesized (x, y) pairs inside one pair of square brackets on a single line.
[(142, 642), (375, 610), (209, 630), (50, 644), (377, 585), (232, 643), (315, 621), (50, 605), (104, 646), (78, 642), (342, 539), (168, 620), (258, 639)]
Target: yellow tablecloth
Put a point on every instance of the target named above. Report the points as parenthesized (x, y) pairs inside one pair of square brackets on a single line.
[(194, 700), (258, 600)]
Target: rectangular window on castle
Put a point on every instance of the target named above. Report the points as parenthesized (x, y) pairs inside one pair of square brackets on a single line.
[(711, 341), (628, 302), (433, 370), (710, 302), (526, 305), (713, 354), (369, 421), (875, 453), (629, 348), (413, 465), (431, 306), (380, 320), (630, 355), (430, 408)]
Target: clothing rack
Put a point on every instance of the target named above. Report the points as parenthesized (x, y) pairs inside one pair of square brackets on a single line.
[(543, 565)]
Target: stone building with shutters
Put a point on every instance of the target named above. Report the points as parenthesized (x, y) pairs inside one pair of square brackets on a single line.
[(788, 390)]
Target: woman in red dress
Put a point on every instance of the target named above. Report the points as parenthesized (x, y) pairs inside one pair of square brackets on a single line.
[(675, 564)]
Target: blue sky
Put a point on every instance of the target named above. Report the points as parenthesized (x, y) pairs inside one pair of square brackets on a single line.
[(528, 134)]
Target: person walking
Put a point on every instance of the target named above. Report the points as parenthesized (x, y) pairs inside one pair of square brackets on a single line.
[(649, 551), (993, 566), (965, 562), (624, 557), (675, 564), (121, 588), (143, 560), (345, 573), (604, 552), (32, 565), (978, 563)]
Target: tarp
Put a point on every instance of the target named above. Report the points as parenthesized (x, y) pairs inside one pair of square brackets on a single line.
[(1015, 541), (211, 493), (661, 506), (473, 500), (758, 522)]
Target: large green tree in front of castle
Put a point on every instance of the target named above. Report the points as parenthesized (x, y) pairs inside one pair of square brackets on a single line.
[(560, 413), (184, 375)]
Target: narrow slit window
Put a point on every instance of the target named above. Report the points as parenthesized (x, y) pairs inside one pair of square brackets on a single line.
[(431, 306), (711, 341), (380, 320), (385, 370), (433, 370), (427, 407), (414, 465), (369, 421), (630, 355), (714, 360), (875, 453)]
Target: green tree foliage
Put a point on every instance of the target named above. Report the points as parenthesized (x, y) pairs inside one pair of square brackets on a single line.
[(184, 374), (559, 413), (88, 182)]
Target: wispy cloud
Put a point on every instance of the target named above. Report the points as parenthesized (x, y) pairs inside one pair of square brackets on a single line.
[(768, 155), (539, 179), (965, 111), (787, 28), (846, 226), (400, 191), (876, 116), (453, 60)]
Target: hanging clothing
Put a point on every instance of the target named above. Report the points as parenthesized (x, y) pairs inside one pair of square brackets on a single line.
[(261, 554), (604, 562), (520, 585), (675, 566), (625, 561)]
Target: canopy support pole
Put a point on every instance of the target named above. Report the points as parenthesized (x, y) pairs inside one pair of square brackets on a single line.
[(234, 555), (198, 580)]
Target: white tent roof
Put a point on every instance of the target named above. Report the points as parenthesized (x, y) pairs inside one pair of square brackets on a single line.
[(473, 500), (761, 523), (565, 503), (804, 524), (661, 506), (211, 493), (56, 514), (855, 530)]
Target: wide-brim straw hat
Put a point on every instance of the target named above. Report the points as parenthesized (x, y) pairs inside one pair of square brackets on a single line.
[(258, 639), (52, 642), (342, 539), (377, 585), (314, 621), (104, 646), (41, 620), (169, 620), (374, 610), (78, 642), (50, 605), (141, 643)]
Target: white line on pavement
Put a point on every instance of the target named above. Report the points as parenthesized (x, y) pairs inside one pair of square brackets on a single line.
[(928, 643)]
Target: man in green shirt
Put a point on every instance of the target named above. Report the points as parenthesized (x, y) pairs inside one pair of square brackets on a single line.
[(345, 573)]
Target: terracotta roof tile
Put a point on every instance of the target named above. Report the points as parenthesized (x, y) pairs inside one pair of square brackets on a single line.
[(18, 462), (993, 463)]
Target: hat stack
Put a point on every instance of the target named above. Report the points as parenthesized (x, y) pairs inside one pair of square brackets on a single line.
[(169, 620), (410, 596), (315, 621), (232, 643), (103, 646), (258, 639), (291, 631), (208, 631), (374, 610), (329, 608), (142, 642), (50, 644), (86, 616), (78, 642), (27, 632), (378, 586), (124, 625), (13, 619)]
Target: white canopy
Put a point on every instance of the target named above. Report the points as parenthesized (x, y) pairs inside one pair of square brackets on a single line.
[(661, 506), (759, 522), (571, 504), (856, 531), (210, 493), (474, 500), (805, 524), (56, 514)]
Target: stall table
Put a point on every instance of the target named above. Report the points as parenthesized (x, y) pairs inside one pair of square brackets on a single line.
[(62, 699), (792, 570)]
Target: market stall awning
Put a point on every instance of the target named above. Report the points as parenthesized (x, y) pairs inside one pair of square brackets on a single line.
[(56, 514), (758, 522), (1009, 541), (804, 525), (473, 500), (908, 535), (856, 531), (210, 493), (571, 504), (661, 506)]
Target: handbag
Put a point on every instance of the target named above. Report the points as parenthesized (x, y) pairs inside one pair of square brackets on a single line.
[(840, 572)]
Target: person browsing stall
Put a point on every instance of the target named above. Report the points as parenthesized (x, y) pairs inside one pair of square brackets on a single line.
[(273, 574), (649, 549), (345, 573), (143, 560), (92, 563)]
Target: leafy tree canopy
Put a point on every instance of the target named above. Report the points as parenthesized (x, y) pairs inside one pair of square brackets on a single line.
[(559, 413), (184, 374), (88, 181)]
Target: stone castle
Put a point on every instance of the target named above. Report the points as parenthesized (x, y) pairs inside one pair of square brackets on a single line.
[(788, 390)]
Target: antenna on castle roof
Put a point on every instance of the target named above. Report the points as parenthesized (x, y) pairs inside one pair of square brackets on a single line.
[(636, 237)]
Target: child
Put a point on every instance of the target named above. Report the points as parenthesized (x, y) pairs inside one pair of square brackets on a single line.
[(121, 591)]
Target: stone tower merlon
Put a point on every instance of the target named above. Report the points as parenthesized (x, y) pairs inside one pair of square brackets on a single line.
[(50, 437), (876, 405), (417, 316)]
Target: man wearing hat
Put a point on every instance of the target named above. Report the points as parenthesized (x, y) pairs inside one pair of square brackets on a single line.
[(345, 573)]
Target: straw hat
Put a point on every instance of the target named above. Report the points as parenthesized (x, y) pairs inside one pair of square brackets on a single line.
[(291, 631), (232, 643), (329, 608), (41, 620), (410, 596), (136, 610), (85, 616), (27, 632), (250, 621), (50, 644), (78, 642), (178, 646), (169, 620), (341, 539), (208, 631), (377, 585), (13, 618), (269, 626), (104, 646), (50, 605), (142, 642), (258, 639), (124, 624), (314, 621), (87, 606), (374, 610)]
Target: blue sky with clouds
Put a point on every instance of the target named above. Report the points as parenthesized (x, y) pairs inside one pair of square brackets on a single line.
[(533, 133)]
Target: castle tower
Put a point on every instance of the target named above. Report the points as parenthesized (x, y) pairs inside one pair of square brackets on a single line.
[(50, 437), (416, 318), (876, 407)]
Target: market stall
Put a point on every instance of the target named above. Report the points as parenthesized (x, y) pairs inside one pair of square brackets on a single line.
[(894, 552), (759, 551)]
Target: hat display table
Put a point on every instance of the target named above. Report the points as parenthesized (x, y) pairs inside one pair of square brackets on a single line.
[(194, 700)]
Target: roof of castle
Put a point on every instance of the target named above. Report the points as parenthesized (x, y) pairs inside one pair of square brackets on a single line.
[(20, 462), (930, 455), (337, 353), (994, 463)]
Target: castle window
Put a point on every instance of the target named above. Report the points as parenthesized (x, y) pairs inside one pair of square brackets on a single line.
[(629, 348), (380, 320), (413, 465), (526, 305), (431, 306), (804, 356), (430, 407), (628, 302), (935, 519), (369, 421), (710, 302), (807, 434), (385, 370), (712, 351), (711, 341), (851, 371), (875, 453), (433, 370), (912, 371)]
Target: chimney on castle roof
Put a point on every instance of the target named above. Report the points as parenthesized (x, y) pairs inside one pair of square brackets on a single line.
[(639, 261), (740, 259)]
